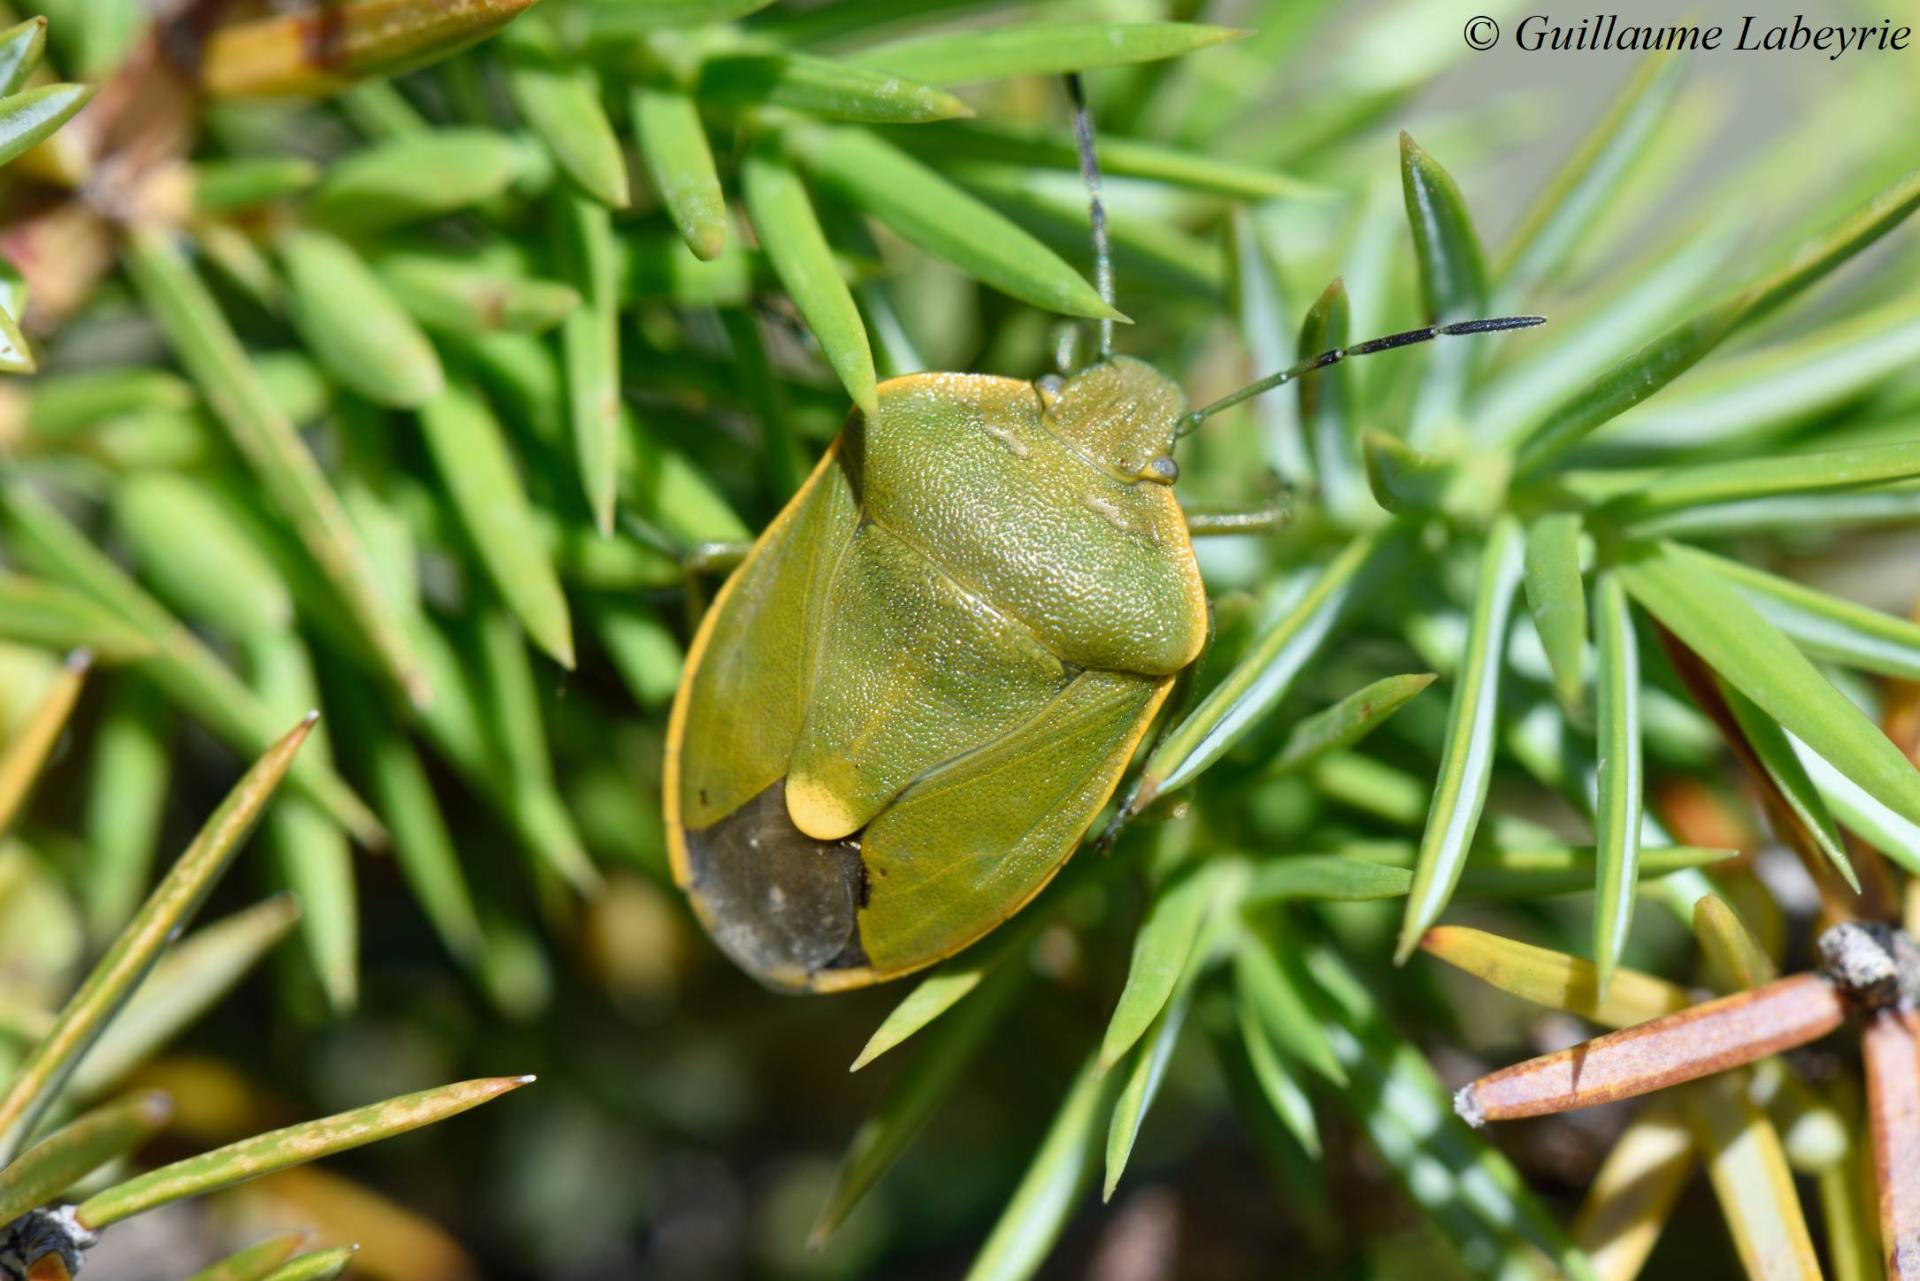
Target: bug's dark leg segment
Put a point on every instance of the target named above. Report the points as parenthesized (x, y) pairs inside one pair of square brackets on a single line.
[(777, 901)]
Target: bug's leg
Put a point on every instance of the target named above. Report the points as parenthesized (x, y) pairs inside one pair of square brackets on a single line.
[(782, 315), (697, 561), (714, 558), (1179, 703), (1260, 520), (1066, 348), (703, 561)]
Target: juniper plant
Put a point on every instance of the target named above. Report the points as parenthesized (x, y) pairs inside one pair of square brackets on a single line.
[(30, 111), (56, 1132)]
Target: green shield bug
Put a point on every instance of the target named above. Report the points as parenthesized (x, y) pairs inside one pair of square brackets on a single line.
[(909, 702)]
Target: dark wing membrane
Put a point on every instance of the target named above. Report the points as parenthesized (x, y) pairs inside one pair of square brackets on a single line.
[(780, 903), (964, 848)]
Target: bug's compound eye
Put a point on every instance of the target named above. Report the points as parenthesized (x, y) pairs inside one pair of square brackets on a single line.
[(1160, 471), (1049, 386)]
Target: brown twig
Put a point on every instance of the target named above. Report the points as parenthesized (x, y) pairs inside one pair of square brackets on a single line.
[(1695, 1042), (1892, 1056)]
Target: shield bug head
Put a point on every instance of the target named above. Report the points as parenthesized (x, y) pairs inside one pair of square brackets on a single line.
[(908, 704)]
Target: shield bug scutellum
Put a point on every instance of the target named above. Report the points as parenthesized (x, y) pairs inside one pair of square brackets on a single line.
[(909, 702)]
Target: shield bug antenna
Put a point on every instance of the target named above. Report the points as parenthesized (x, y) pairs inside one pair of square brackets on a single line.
[(1406, 338), (1103, 283), (1096, 208)]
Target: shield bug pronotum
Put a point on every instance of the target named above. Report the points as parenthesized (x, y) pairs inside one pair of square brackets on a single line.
[(909, 702)]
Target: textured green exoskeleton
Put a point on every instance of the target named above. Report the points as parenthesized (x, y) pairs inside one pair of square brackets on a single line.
[(906, 707)]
